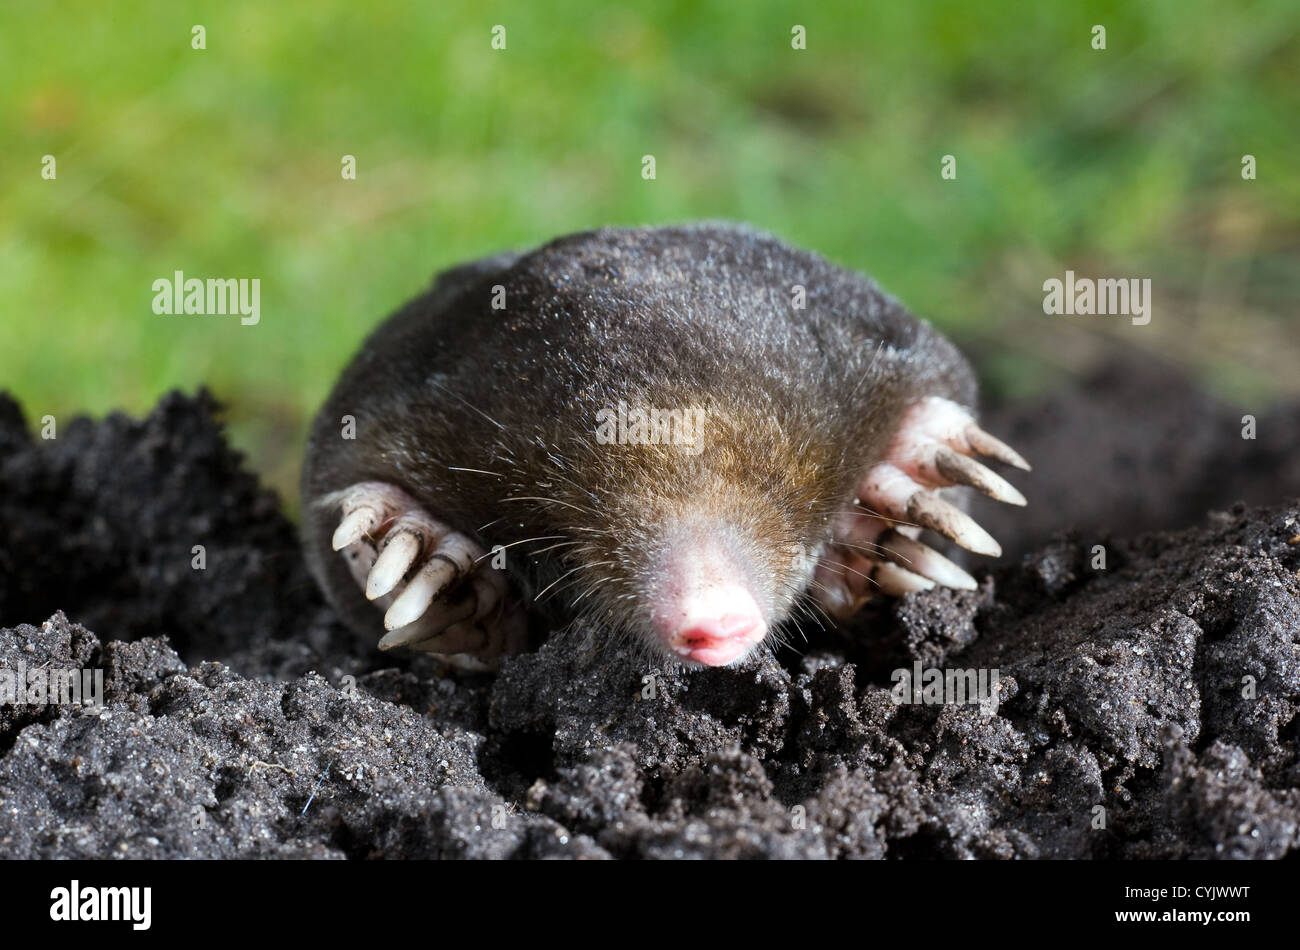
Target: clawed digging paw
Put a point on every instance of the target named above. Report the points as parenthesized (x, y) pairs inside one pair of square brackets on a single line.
[(875, 548), (436, 593)]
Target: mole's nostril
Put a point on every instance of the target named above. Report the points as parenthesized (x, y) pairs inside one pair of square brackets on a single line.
[(717, 641), (732, 625)]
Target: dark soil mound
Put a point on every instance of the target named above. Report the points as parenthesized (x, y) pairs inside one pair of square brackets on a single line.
[(1147, 709)]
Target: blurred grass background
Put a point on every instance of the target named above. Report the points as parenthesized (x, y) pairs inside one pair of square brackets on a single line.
[(225, 162)]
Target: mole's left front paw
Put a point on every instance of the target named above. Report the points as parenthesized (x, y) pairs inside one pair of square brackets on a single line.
[(874, 548), (426, 578)]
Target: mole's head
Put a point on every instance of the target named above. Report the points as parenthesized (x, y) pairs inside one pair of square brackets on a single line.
[(696, 547)]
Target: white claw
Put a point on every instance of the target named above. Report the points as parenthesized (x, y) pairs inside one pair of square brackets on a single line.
[(435, 620), (895, 581), (393, 563), (431, 581), (356, 525), (405, 636), (921, 559), (931, 511), (985, 444), (955, 468), (464, 637)]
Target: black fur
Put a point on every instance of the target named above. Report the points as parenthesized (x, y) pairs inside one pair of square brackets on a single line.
[(804, 401)]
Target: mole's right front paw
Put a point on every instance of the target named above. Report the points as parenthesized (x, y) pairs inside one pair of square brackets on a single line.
[(875, 547), (426, 578)]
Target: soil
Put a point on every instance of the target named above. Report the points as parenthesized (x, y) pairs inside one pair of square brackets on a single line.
[(1146, 703)]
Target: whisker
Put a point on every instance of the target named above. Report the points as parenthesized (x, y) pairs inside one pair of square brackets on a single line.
[(581, 550), (880, 550), (550, 501), (539, 594), (850, 571), (603, 580), (562, 544), (545, 537), (870, 367), (468, 403), (571, 583), (870, 547), (876, 514), (815, 605)]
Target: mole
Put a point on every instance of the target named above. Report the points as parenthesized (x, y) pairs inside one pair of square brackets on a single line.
[(692, 436)]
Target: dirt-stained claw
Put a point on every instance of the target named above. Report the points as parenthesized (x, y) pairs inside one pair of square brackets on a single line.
[(451, 559), (846, 579), (995, 448), (428, 584), (355, 525), (896, 581), (957, 469), (463, 637), (923, 560), (931, 511), (394, 560), (479, 645), (435, 620), (482, 596)]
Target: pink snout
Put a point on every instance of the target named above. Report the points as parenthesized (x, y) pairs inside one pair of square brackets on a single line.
[(719, 626)]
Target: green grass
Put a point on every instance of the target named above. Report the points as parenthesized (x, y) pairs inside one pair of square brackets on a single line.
[(225, 162)]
